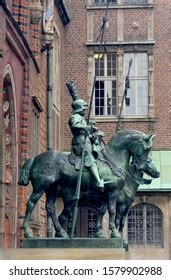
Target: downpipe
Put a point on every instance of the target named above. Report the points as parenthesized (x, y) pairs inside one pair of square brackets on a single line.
[(49, 116)]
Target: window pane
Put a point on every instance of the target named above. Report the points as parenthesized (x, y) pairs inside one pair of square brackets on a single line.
[(35, 132), (111, 65), (99, 66), (127, 58), (99, 98), (142, 97), (135, 2), (110, 93), (131, 109), (104, 1), (142, 67)]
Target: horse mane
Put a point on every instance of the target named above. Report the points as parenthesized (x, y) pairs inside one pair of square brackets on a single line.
[(123, 137)]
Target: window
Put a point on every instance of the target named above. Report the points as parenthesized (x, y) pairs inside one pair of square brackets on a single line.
[(135, 2), (36, 110), (138, 91), (145, 225), (105, 86), (104, 1), (35, 131)]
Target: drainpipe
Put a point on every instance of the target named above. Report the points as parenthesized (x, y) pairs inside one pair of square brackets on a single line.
[(49, 94), (49, 115)]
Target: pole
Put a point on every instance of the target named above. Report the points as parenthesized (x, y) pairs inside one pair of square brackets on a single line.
[(49, 115), (78, 187), (49, 95), (127, 85)]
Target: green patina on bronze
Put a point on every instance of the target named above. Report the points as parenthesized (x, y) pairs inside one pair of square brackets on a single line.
[(52, 173)]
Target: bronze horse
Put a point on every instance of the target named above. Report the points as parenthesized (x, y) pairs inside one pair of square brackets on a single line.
[(53, 174), (126, 196)]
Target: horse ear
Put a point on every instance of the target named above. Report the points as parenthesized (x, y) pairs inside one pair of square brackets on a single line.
[(150, 137)]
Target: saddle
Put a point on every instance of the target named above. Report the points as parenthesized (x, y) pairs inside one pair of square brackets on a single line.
[(104, 156), (75, 160)]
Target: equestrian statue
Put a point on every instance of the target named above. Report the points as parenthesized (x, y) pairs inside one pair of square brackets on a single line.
[(105, 172)]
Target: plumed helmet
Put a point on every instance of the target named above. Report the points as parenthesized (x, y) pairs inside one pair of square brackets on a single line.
[(79, 105)]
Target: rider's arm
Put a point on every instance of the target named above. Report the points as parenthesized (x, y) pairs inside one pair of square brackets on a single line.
[(76, 122)]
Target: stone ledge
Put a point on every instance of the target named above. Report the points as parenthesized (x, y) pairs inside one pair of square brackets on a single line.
[(63, 254), (73, 243)]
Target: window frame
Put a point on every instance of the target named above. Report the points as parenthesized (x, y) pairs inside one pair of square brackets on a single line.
[(137, 78), (105, 78), (145, 228), (36, 110)]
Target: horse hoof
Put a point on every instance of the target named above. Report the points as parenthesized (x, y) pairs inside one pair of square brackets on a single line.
[(115, 234), (99, 234), (29, 235), (61, 235)]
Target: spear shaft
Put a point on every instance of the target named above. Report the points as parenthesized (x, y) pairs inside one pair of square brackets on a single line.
[(78, 187)]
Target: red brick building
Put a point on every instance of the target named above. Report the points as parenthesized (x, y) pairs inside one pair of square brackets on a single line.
[(27, 37), (137, 29)]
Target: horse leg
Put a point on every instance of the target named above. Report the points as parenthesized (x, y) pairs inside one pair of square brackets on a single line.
[(117, 219), (50, 208), (29, 209), (99, 229), (123, 218), (68, 207), (112, 214)]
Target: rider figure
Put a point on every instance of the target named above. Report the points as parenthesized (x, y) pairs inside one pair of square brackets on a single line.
[(82, 133)]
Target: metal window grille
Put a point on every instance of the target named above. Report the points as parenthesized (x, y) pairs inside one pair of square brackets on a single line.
[(91, 223), (105, 87), (86, 222), (145, 225)]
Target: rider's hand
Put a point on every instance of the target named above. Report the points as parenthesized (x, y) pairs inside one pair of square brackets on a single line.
[(88, 128), (94, 128)]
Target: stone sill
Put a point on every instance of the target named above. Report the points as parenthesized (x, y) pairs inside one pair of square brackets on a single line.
[(128, 119), (117, 6), (120, 43)]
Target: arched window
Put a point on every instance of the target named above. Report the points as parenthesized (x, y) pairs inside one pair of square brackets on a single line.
[(145, 225)]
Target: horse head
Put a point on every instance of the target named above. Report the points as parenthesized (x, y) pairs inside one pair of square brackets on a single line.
[(140, 149), (149, 169), (131, 144)]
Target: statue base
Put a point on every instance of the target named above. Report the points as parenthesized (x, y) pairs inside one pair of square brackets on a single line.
[(67, 249), (72, 243)]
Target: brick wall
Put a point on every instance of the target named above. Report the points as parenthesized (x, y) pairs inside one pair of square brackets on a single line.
[(137, 25), (162, 75)]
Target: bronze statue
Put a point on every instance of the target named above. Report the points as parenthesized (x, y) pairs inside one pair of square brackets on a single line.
[(53, 173), (82, 133)]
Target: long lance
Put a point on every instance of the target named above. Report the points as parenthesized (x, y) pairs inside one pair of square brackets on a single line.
[(78, 187), (127, 86)]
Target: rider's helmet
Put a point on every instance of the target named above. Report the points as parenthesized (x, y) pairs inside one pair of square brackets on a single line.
[(79, 105)]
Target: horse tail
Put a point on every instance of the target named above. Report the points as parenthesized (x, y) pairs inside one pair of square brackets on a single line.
[(25, 173)]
